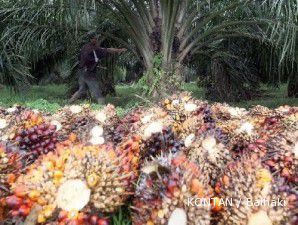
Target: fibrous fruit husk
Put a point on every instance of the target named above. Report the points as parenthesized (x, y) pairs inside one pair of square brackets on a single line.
[(165, 185), (255, 201), (82, 181)]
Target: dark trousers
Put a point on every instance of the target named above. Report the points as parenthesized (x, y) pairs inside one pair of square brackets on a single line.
[(87, 80)]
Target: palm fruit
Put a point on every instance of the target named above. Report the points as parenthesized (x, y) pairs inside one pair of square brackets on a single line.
[(244, 134), (249, 195), (142, 121), (109, 120), (165, 141), (282, 155), (165, 186), (10, 166), (226, 112), (73, 119), (182, 107), (8, 121), (76, 184), (210, 154), (290, 122), (34, 135), (94, 127)]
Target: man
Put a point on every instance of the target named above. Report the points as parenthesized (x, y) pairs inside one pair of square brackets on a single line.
[(89, 58)]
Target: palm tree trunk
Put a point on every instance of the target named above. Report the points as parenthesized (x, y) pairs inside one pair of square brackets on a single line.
[(293, 86)]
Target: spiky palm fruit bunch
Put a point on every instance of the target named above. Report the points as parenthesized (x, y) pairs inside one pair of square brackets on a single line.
[(210, 154), (10, 166), (250, 190), (290, 122), (244, 134), (282, 155), (165, 141), (8, 120), (226, 112), (74, 185), (34, 135), (165, 185), (259, 110), (142, 121), (73, 119), (181, 107), (94, 127)]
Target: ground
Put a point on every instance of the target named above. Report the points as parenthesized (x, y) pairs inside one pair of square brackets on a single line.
[(51, 97)]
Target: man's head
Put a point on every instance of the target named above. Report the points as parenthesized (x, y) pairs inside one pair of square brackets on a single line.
[(92, 37)]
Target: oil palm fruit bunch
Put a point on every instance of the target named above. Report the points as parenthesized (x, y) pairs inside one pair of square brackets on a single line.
[(181, 106), (248, 195), (89, 126), (34, 135), (73, 119), (165, 185), (8, 120), (142, 122), (290, 122), (282, 155), (244, 134), (165, 141), (10, 166), (210, 154), (109, 120), (77, 185), (223, 111)]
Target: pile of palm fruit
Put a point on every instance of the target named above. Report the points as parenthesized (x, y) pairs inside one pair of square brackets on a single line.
[(181, 162)]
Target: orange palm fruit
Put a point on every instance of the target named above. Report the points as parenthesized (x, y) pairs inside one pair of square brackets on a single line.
[(41, 218), (34, 195), (20, 191), (216, 206), (58, 174), (11, 178), (92, 180), (196, 187)]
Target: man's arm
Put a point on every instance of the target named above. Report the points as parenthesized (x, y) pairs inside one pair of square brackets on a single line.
[(116, 50)]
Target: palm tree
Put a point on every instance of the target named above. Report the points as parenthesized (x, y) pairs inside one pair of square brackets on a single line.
[(33, 31), (178, 29)]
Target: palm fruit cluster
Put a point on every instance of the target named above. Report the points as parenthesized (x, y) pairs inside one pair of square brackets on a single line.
[(8, 120), (251, 197), (282, 157), (34, 135), (89, 126), (187, 113), (210, 154), (10, 166), (76, 185), (165, 141), (165, 185)]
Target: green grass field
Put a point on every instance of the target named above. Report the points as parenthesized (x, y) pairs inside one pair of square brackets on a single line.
[(51, 97)]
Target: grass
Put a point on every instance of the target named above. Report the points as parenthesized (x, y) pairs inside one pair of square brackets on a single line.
[(51, 97)]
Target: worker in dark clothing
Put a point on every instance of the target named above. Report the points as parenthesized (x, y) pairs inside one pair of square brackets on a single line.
[(90, 56)]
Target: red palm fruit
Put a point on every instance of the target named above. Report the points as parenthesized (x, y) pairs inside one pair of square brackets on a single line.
[(62, 215), (93, 220), (103, 222), (24, 210), (13, 201), (14, 213), (73, 222)]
